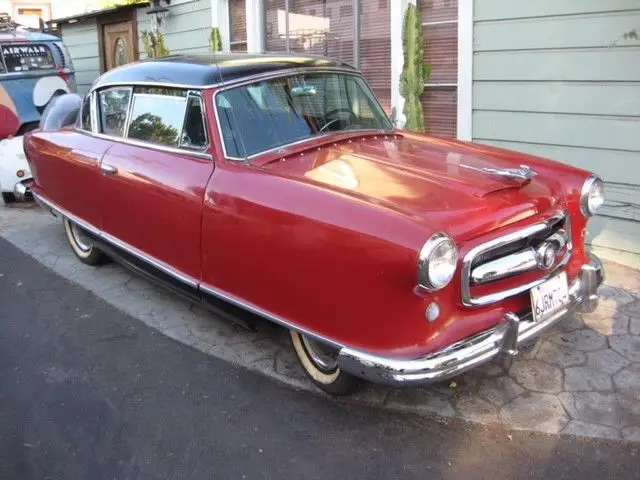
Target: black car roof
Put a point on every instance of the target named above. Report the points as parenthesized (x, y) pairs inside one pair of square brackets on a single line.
[(209, 70)]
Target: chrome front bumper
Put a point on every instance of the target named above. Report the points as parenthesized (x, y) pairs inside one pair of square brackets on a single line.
[(499, 343), (22, 191)]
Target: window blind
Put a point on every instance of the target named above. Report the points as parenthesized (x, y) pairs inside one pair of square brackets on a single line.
[(439, 100)]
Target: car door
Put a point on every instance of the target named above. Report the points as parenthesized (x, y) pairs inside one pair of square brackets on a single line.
[(154, 176), (66, 166)]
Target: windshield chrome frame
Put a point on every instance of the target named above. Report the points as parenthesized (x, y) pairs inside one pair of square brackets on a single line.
[(292, 73)]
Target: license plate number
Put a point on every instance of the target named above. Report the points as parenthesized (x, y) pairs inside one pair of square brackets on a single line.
[(549, 297)]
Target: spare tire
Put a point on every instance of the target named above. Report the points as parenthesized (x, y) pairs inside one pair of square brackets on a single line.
[(61, 112)]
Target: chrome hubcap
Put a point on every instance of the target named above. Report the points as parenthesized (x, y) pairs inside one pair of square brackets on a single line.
[(79, 237), (326, 358)]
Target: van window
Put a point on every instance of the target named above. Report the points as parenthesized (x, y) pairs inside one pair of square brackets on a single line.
[(114, 105), (27, 57)]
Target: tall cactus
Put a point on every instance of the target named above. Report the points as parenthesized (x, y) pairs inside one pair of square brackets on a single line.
[(415, 72), (215, 40)]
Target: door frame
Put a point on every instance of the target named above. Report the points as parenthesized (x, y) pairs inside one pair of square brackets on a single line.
[(128, 15)]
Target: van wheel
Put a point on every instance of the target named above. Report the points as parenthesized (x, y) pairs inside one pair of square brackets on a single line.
[(82, 245), (320, 363), (8, 197)]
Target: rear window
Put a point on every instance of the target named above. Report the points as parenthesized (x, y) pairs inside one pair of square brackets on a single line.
[(27, 57)]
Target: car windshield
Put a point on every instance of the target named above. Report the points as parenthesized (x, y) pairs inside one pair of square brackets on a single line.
[(273, 113)]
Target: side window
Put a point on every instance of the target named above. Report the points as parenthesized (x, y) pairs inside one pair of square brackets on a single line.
[(114, 105), (157, 118), (85, 113), (194, 133), (360, 103)]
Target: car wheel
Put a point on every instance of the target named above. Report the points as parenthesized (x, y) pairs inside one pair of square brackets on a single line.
[(8, 197), (320, 363), (82, 245)]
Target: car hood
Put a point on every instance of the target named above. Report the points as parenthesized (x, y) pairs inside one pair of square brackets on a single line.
[(446, 184)]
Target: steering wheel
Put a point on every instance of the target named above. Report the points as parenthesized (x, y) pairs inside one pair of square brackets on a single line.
[(352, 117)]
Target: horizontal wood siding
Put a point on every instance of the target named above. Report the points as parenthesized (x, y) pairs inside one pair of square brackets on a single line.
[(187, 27), (82, 41), (557, 79)]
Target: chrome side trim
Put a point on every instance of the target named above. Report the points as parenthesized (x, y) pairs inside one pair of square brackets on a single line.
[(127, 120), (160, 265), (185, 86), (151, 146), (239, 302), (61, 211), (469, 301), (189, 86), (95, 119), (186, 279)]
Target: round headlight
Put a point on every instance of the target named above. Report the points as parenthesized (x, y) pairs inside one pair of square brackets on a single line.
[(437, 262), (592, 196)]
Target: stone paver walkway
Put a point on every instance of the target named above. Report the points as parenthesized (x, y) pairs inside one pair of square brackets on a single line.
[(583, 378)]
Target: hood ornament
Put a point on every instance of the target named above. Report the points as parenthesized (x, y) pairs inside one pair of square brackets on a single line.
[(523, 173)]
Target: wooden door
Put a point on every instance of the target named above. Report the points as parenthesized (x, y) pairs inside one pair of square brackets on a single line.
[(119, 41)]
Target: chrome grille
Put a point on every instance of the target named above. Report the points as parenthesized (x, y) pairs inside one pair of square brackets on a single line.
[(544, 247)]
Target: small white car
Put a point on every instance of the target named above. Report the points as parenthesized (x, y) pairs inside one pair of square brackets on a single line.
[(15, 175)]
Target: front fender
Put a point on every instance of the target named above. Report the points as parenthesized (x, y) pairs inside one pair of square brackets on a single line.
[(320, 260)]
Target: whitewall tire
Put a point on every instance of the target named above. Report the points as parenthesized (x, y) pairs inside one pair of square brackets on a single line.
[(82, 245), (319, 362)]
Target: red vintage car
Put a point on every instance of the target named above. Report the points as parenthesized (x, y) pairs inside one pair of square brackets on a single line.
[(279, 185)]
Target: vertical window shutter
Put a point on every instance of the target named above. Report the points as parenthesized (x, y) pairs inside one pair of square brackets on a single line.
[(375, 48), (238, 25), (441, 54), (328, 28), (275, 28)]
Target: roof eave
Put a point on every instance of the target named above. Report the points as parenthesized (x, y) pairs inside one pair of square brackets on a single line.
[(96, 13)]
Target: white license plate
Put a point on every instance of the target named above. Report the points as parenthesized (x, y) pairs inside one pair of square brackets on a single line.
[(549, 297)]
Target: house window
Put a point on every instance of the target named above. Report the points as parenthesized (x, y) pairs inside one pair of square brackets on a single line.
[(238, 25), (36, 12), (346, 10), (294, 28), (439, 101)]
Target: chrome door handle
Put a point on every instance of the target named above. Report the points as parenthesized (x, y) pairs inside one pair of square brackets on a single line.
[(108, 169)]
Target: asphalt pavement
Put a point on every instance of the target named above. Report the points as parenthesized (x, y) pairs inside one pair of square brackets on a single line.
[(87, 392)]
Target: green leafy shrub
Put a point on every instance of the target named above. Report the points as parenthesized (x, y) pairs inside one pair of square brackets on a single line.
[(153, 42)]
